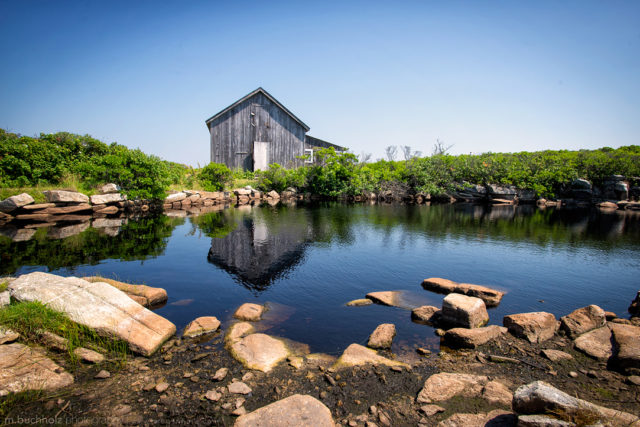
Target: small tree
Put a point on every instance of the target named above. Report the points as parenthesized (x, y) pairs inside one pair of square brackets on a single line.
[(439, 148), (391, 152)]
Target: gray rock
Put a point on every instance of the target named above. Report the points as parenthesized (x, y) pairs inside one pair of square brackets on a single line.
[(102, 199), (581, 184), (542, 398), (5, 298), (293, 411), (382, 336), (97, 305), (177, 197), (54, 196), (109, 188), (506, 192), (25, 368), (583, 320), (14, 202), (464, 311)]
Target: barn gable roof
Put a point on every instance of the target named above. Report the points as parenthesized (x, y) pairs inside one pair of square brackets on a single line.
[(271, 98)]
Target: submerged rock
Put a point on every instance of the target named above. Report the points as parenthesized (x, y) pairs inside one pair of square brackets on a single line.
[(464, 311), (535, 327), (382, 336), (391, 298), (359, 302), (471, 338), (583, 320), (98, 306), (201, 325), (293, 411), (25, 368), (259, 351), (356, 355), (491, 297), (540, 397), (238, 330)]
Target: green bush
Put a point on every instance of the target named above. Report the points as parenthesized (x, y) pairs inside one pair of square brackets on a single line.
[(214, 176)]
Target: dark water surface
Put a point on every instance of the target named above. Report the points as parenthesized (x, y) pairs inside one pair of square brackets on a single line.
[(308, 261)]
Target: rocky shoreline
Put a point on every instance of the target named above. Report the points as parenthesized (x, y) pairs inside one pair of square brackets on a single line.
[(535, 370)]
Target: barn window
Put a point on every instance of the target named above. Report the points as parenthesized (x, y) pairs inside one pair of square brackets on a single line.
[(308, 152)]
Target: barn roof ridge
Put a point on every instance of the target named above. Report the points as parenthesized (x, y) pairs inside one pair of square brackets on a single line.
[(253, 93)]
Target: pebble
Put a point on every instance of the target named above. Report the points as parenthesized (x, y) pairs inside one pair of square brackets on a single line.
[(162, 387), (247, 376), (213, 395), (220, 374), (373, 410), (239, 388), (423, 351), (149, 386), (102, 375), (396, 369), (633, 379), (195, 379), (187, 375), (573, 374), (239, 411)]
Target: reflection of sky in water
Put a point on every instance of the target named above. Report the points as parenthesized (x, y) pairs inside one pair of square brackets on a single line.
[(308, 262)]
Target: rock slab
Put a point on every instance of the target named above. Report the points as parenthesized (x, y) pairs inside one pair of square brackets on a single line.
[(24, 368), (150, 296), (382, 336), (596, 343), (471, 338), (259, 351), (535, 327), (491, 297), (102, 199), (294, 411), (356, 355), (583, 320), (542, 398), (62, 196), (464, 311), (627, 342), (98, 306)]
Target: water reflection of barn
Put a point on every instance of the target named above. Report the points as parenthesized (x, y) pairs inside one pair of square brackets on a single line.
[(257, 253)]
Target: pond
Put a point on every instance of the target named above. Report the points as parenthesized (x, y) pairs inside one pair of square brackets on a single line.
[(307, 261)]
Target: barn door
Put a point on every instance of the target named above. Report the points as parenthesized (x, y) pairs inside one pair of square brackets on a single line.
[(260, 155), (261, 136)]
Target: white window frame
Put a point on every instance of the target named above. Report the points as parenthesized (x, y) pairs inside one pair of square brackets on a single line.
[(308, 151)]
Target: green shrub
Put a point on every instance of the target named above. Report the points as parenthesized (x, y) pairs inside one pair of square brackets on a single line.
[(214, 176)]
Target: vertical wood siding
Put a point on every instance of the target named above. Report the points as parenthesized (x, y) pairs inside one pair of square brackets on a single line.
[(233, 134)]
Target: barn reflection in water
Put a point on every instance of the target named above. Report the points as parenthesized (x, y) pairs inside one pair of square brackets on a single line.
[(259, 250)]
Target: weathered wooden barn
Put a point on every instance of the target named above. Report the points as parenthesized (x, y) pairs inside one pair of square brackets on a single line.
[(256, 131)]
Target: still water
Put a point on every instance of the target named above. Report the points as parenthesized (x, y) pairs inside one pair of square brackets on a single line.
[(307, 261)]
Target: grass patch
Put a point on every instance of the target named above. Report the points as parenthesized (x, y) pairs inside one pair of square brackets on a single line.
[(604, 393), (29, 319), (3, 286)]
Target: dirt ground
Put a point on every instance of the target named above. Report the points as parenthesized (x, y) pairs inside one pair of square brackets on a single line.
[(129, 396)]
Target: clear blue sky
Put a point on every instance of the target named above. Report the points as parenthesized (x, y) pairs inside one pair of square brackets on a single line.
[(478, 75)]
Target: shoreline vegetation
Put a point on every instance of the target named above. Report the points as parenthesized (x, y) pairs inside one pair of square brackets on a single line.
[(82, 163)]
